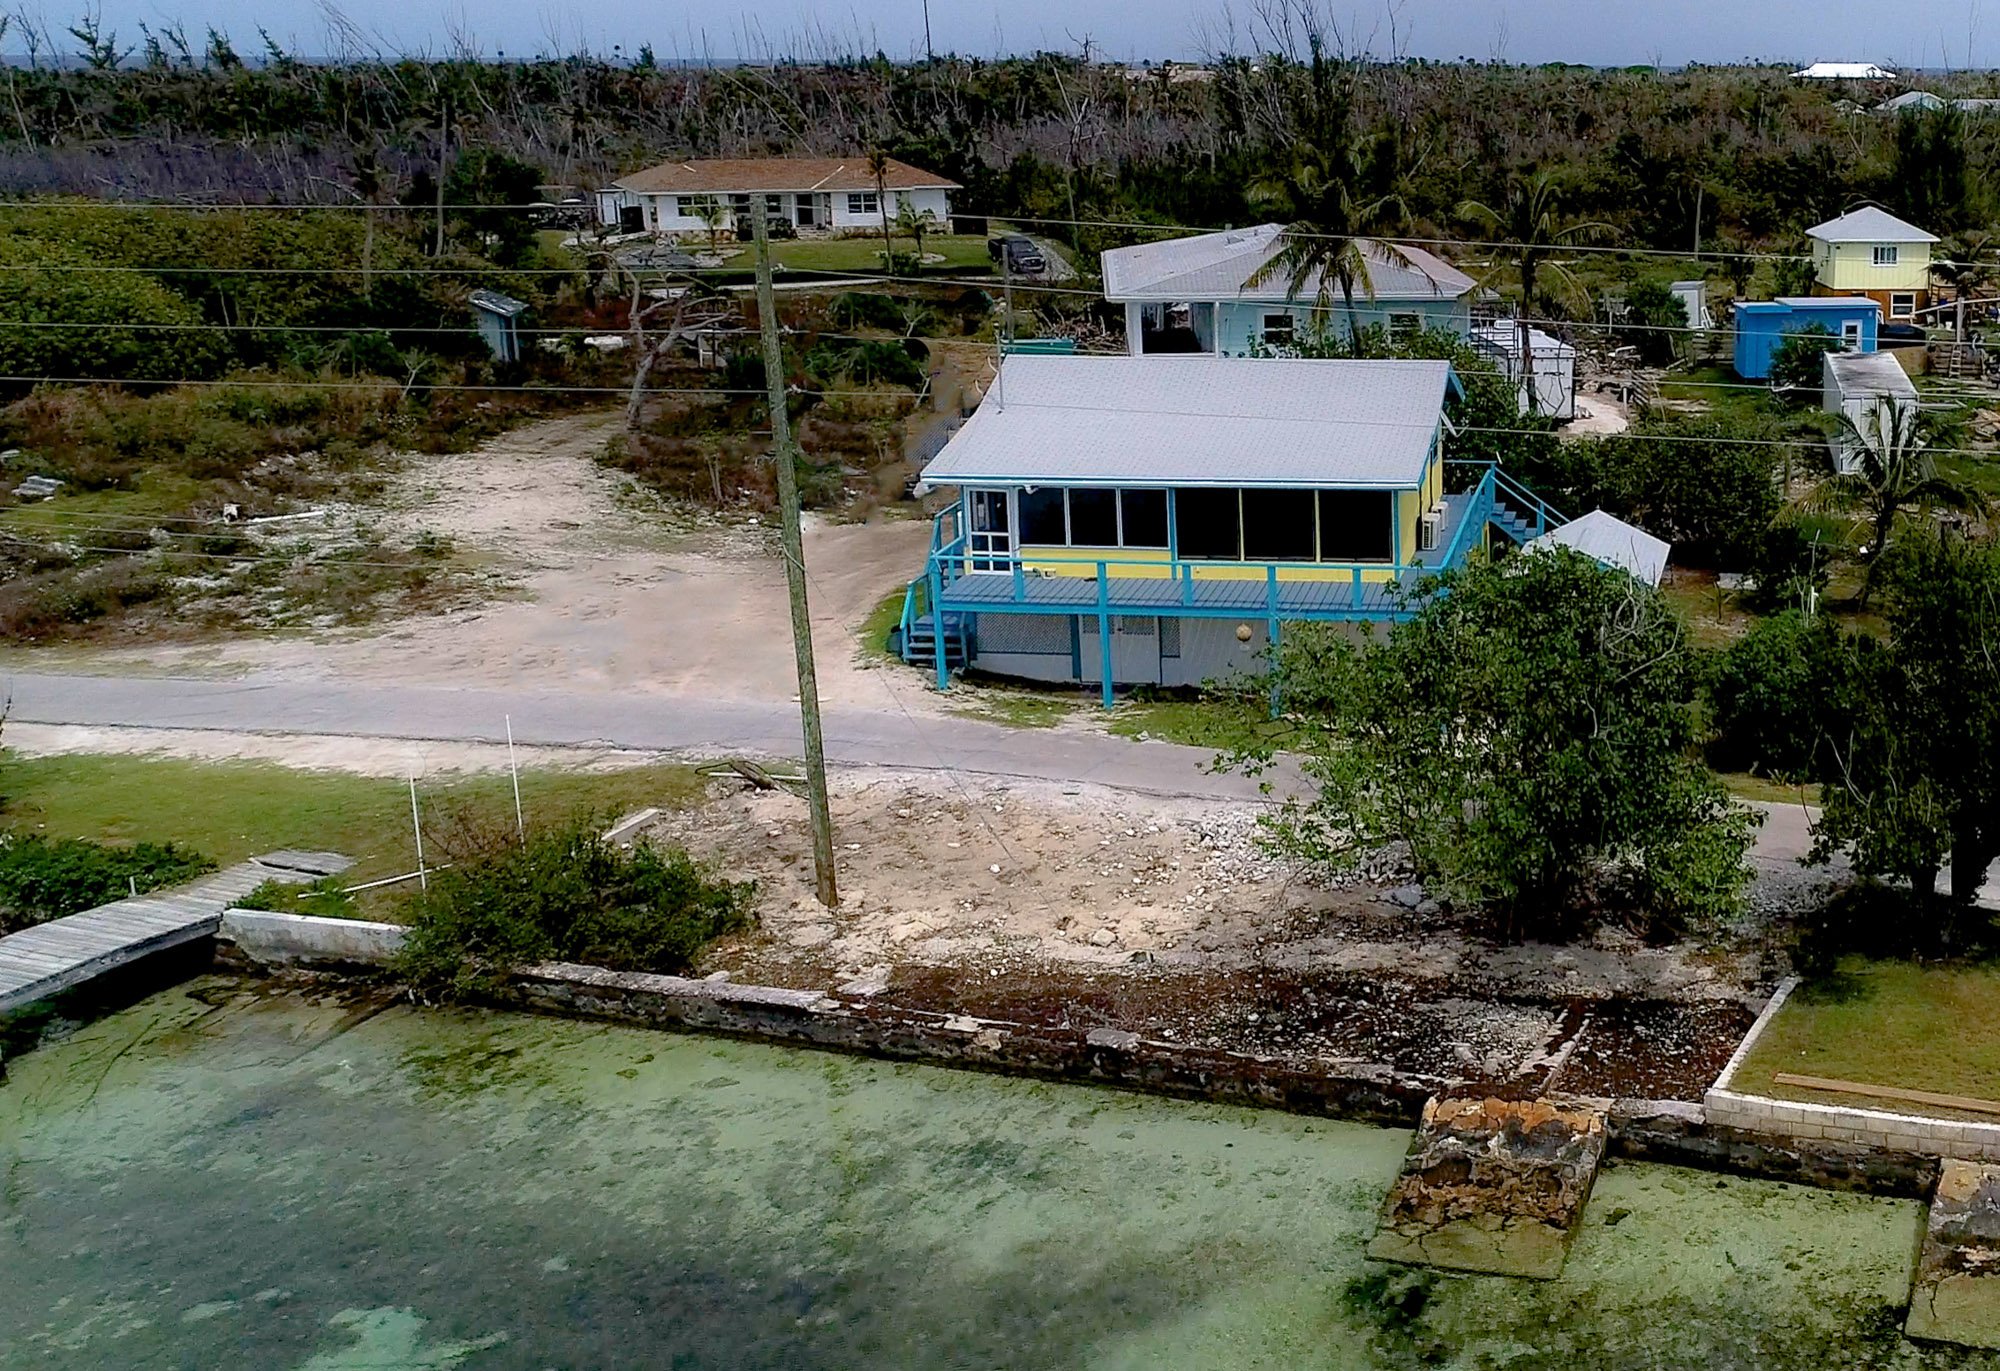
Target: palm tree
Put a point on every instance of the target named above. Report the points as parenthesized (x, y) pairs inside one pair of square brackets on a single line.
[(714, 212), (916, 223), (878, 167), (1527, 228), (368, 187), (1896, 469), (1324, 240)]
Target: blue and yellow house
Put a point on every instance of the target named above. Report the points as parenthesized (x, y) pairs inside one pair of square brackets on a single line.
[(1128, 520), (1196, 295)]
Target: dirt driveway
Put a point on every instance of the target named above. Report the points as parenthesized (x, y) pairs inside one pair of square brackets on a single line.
[(613, 589)]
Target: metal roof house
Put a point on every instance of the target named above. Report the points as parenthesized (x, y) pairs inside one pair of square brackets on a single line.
[(1871, 252), (1761, 327), (1854, 385), (1126, 520), (1194, 295), (1844, 71), (813, 194), (1610, 540)]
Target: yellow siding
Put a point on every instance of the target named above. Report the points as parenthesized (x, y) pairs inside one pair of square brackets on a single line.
[(1851, 266)]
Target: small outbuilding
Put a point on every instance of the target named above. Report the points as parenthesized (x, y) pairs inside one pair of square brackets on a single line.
[(1551, 365), (1761, 327), (1693, 296), (1854, 385), (498, 319), (1613, 542)]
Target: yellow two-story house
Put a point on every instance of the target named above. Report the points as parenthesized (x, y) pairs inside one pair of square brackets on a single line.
[(1871, 252)]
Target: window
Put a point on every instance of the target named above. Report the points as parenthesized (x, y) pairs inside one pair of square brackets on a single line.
[(697, 206), (863, 202), (740, 204), (1042, 521), (1277, 525), (1144, 517), (1093, 518), (1403, 327), (1903, 305), (1356, 526), (1208, 524), (1885, 254), (1278, 330)]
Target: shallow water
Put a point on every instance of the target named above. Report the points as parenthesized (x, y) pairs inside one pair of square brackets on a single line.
[(221, 1178)]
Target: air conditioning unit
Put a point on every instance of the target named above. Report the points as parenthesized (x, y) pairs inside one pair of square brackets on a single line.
[(1430, 529)]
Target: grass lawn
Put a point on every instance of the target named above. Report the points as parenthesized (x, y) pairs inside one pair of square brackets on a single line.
[(1216, 724), (1726, 394), (961, 252), (875, 628), (154, 494), (233, 810), (1886, 1023)]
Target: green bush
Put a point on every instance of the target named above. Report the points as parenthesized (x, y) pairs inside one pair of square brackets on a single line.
[(1770, 697), (1795, 366), (564, 895), (45, 878)]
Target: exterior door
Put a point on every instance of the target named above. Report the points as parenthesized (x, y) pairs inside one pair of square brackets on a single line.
[(990, 530)]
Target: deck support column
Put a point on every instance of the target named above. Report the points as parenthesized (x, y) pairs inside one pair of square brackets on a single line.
[(1104, 632), (937, 626), (1277, 691)]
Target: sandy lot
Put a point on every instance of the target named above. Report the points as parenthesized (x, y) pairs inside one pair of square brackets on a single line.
[(1078, 904), (613, 589)]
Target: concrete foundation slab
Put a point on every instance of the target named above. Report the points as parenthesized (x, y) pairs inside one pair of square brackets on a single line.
[(1956, 1297), (1493, 1186)]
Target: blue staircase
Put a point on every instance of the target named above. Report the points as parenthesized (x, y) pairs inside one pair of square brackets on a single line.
[(1520, 513), (920, 642)]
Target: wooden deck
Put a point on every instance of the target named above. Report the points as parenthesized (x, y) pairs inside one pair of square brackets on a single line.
[(56, 956)]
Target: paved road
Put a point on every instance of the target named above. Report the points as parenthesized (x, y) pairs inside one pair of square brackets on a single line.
[(648, 722)]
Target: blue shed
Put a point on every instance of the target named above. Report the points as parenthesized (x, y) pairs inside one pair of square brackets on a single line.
[(498, 319), (1762, 326)]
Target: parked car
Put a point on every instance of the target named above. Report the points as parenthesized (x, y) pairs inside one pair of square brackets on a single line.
[(774, 224), (1017, 253)]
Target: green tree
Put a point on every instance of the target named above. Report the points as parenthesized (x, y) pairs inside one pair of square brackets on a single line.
[(1528, 733), (487, 193), (66, 320), (1659, 321), (1777, 691), (1896, 470), (1914, 773), (1708, 486), (1795, 366), (1529, 228), (915, 223), (878, 167)]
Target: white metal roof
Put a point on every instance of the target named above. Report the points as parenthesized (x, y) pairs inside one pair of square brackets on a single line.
[(1199, 421), (1612, 541), (1845, 71), (1869, 373), (1218, 266), (1504, 336), (1869, 225)]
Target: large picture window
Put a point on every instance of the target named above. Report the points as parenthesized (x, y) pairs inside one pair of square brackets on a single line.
[(1143, 517), (1093, 518), (1042, 518), (1278, 525), (1356, 526), (1209, 523), (1055, 516)]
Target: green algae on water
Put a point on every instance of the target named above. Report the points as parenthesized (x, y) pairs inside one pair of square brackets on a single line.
[(498, 1192)]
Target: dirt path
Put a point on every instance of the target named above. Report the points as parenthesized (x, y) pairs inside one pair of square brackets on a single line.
[(614, 589)]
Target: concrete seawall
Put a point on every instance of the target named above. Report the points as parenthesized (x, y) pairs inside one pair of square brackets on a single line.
[(1650, 1130)]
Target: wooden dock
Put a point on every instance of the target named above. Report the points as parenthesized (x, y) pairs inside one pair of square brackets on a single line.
[(62, 953)]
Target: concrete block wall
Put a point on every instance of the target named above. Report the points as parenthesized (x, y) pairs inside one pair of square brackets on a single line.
[(1726, 1107)]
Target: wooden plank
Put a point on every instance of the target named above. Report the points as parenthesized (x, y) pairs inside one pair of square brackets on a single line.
[(1889, 1092)]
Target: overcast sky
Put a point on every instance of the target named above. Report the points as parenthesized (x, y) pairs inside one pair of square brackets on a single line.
[(1923, 33)]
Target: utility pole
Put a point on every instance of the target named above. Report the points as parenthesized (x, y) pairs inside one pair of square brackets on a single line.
[(784, 455), (930, 52)]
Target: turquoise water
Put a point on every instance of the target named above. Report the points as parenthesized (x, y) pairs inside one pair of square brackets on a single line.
[(222, 1178)]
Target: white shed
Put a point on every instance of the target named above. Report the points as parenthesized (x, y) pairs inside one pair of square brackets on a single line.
[(1693, 296), (1854, 384), (1613, 542), (1552, 364)]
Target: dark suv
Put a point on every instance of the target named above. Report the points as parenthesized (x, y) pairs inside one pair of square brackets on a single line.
[(776, 225), (1018, 254)]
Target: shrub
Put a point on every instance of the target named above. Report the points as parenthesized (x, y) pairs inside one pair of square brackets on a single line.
[(1774, 694), (45, 878), (1795, 367), (564, 895)]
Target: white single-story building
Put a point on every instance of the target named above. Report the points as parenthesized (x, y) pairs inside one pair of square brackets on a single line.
[(1844, 71), (813, 194), (1854, 385), (1552, 364), (1195, 294)]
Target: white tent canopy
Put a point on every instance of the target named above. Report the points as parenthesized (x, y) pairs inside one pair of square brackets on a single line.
[(1610, 540)]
